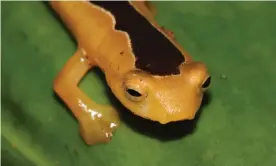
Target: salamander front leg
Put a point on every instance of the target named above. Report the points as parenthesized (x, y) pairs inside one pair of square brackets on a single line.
[(97, 122)]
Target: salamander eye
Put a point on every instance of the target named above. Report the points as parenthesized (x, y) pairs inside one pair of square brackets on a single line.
[(206, 83), (135, 95), (135, 87)]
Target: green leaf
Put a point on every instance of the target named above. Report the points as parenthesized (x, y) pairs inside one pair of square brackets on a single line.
[(236, 127)]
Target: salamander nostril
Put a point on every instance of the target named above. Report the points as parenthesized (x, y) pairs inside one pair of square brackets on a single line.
[(207, 83)]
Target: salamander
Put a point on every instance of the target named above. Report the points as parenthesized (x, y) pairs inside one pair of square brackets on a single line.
[(145, 67)]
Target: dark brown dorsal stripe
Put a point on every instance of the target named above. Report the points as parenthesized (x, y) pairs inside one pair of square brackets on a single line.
[(153, 51)]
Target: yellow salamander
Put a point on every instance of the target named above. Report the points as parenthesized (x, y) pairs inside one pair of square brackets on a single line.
[(144, 66)]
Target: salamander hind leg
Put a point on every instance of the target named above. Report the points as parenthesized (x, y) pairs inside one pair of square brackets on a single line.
[(97, 122)]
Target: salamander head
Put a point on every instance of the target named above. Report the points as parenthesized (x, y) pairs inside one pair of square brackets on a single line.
[(163, 98)]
